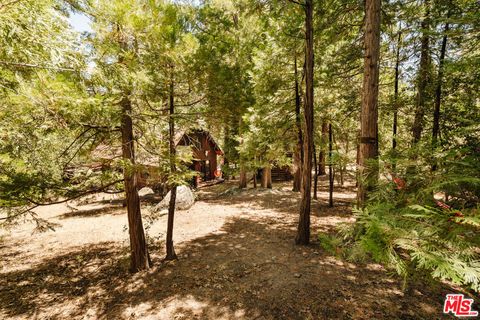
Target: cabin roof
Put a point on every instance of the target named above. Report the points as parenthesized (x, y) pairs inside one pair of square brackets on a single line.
[(105, 152), (188, 138)]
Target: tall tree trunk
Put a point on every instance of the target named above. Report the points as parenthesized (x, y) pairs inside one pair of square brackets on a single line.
[(139, 256), (243, 177), (315, 177), (303, 232), (226, 139), (298, 155), (297, 170), (321, 155), (243, 170), (267, 177), (171, 205), (342, 164), (395, 94), (423, 78), (368, 155), (330, 165), (438, 89), (438, 93), (357, 161), (254, 178)]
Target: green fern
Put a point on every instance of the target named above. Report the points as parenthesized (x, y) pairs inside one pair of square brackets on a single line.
[(412, 232)]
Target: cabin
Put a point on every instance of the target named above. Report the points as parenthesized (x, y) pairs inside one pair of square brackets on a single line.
[(281, 173), (106, 157), (278, 173), (205, 153)]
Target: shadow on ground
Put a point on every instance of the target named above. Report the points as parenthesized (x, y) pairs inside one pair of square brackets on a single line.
[(250, 269), (93, 212), (280, 198)]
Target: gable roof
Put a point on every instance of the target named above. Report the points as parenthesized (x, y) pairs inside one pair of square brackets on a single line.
[(187, 138), (109, 152)]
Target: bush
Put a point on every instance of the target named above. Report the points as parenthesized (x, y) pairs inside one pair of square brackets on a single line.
[(408, 226)]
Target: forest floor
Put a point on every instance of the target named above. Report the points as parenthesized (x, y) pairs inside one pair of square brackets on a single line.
[(237, 260)]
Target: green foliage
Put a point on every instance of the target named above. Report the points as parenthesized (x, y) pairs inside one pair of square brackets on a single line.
[(330, 243), (230, 66), (411, 230), (39, 96)]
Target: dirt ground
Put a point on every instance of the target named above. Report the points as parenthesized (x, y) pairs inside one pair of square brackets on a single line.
[(237, 260)]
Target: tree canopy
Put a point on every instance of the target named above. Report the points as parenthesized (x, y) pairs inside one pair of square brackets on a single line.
[(397, 82)]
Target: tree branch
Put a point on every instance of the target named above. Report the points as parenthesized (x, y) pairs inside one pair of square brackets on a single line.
[(75, 140), (19, 213), (296, 2), (94, 190), (191, 103), (8, 4), (30, 65)]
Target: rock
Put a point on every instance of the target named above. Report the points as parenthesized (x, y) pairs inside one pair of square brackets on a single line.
[(144, 191), (297, 275), (183, 201)]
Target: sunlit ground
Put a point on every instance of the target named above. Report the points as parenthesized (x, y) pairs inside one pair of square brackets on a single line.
[(237, 260)]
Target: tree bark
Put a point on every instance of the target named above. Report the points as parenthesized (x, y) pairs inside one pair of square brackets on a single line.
[(357, 160), (315, 177), (344, 166), (423, 78), (243, 177), (139, 256), (226, 138), (368, 155), (171, 255), (330, 165), (438, 93), (303, 232), (395, 94), (438, 89), (298, 155), (297, 170), (267, 177), (243, 171), (254, 178), (321, 155)]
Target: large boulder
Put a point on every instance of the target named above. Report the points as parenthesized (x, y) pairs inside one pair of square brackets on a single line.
[(145, 191), (183, 201)]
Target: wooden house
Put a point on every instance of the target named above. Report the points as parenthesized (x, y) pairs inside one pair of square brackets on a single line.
[(281, 173), (205, 152), (204, 148)]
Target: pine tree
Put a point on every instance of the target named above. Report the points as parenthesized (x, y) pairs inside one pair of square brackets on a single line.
[(368, 152)]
